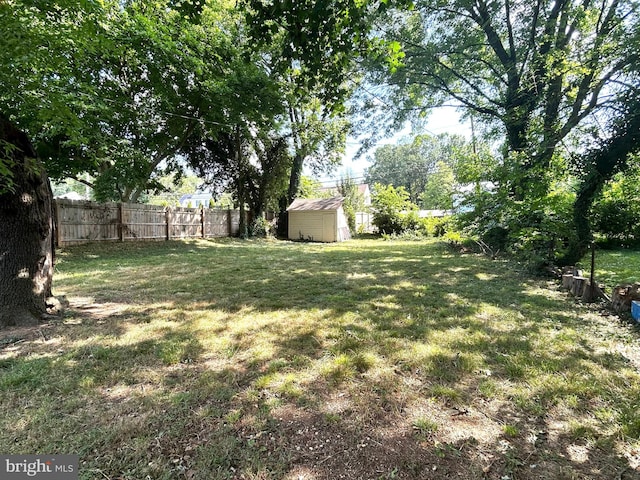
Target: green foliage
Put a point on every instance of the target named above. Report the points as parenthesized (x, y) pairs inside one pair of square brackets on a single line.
[(437, 226), (261, 228), (518, 73), (534, 81), (6, 166), (428, 162), (439, 189), (396, 217), (323, 40), (536, 232), (148, 84), (309, 188), (391, 209), (616, 214), (353, 201)]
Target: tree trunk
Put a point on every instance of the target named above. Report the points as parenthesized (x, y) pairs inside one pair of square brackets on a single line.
[(294, 185), (602, 164), (283, 217), (26, 234)]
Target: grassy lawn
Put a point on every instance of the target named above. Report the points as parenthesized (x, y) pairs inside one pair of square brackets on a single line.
[(368, 359), (615, 267)]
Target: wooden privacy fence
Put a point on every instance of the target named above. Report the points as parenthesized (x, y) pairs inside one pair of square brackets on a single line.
[(84, 221)]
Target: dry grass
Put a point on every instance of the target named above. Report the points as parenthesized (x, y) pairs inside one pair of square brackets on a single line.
[(367, 359)]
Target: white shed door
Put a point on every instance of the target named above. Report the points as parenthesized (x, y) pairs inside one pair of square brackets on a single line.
[(328, 227)]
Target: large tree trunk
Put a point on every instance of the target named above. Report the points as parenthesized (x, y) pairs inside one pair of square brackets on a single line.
[(26, 234), (602, 164), (294, 185)]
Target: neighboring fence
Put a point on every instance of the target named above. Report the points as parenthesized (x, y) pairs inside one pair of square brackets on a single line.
[(364, 222), (83, 221)]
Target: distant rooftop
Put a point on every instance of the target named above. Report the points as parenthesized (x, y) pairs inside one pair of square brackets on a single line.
[(300, 204)]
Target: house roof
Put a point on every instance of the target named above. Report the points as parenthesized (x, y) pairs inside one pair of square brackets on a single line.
[(363, 188), (71, 196), (301, 204), (195, 196)]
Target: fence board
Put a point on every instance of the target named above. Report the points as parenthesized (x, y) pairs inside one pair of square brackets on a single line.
[(216, 222), (144, 222), (364, 222), (84, 221), (186, 223), (234, 223), (81, 221)]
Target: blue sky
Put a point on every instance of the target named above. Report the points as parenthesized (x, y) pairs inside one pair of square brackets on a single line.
[(442, 120)]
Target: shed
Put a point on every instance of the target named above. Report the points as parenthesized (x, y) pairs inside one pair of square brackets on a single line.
[(318, 220)]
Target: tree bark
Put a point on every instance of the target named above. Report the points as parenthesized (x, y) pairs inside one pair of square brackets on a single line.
[(26, 234), (602, 164), (294, 185)]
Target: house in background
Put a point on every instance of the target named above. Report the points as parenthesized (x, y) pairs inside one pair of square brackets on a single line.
[(71, 196), (194, 200), (318, 220), (363, 188)]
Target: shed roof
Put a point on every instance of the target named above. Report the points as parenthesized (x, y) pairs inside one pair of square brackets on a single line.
[(301, 204)]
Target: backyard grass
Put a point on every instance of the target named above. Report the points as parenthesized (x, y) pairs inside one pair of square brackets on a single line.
[(368, 359), (615, 266)]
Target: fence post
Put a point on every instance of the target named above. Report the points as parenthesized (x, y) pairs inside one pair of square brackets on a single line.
[(121, 221), (58, 223), (229, 223), (202, 222), (168, 221)]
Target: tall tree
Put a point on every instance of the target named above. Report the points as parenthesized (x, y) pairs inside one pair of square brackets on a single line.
[(246, 153), (599, 165), (314, 46), (317, 137), (353, 200), (74, 81), (535, 69), (400, 166), (32, 69), (439, 190), (411, 165), (26, 231), (152, 82)]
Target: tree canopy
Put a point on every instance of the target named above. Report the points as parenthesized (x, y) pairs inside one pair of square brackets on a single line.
[(250, 95), (421, 164), (536, 69), (542, 76)]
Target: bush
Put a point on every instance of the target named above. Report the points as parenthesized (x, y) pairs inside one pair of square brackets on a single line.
[(389, 204), (411, 222), (350, 214), (437, 226), (536, 232), (616, 215), (261, 228)]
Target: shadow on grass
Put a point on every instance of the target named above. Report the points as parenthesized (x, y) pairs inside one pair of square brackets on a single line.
[(289, 360)]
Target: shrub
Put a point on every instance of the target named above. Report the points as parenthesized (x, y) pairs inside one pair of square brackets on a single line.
[(536, 232), (411, 221), (261, 228), (616, 214), (437, 226), (389, 207)]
